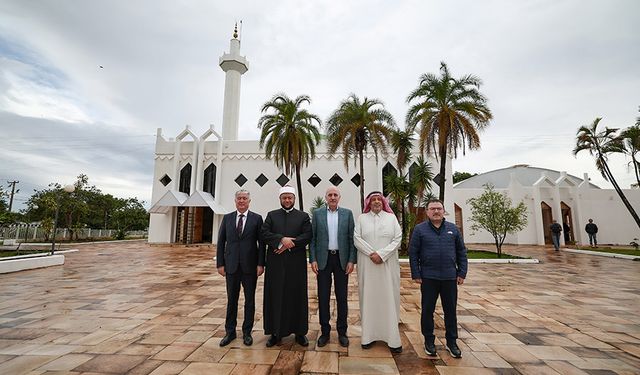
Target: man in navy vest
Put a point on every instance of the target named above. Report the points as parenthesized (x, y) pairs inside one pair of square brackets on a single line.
[(439, 263), (240, 259)]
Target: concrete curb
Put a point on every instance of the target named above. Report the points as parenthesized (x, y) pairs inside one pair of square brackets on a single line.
[(602, 254), (495, 261), (21, 264)]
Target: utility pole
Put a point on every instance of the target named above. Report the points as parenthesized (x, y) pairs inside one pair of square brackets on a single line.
[(13, 191)]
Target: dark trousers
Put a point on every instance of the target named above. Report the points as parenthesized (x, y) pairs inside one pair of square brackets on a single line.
[(448, 292), (592, 239), (340, 280), (248, 282)]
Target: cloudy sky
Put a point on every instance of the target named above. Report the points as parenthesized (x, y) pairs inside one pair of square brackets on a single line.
[(85, 84)]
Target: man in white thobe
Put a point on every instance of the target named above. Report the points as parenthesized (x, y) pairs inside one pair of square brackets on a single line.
[(377, 237)]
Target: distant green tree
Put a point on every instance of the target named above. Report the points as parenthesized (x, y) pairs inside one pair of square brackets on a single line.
[(131, 215), (289, 135), (87, 206), (493, 212), (461, 176)]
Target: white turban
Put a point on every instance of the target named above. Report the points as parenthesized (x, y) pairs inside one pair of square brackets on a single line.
[(287, 189)]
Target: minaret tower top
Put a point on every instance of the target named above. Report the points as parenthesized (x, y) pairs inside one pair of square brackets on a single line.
[(234, 67)]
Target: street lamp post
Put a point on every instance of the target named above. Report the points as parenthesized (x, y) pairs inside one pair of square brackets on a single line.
[(68, 189)]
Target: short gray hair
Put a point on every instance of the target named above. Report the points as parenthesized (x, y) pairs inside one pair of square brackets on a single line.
[(243, 191)]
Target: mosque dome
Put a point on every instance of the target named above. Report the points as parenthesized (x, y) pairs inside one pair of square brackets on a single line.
[(524, 173)]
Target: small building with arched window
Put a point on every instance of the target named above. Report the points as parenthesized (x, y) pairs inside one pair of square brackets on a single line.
[(551, 195)]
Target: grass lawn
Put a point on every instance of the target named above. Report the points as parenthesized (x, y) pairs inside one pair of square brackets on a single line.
[(616, 250), (481, 254), (11, 253)]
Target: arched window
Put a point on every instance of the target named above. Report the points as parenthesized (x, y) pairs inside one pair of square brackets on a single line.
[(185, 179), (209, 184), (387, 170)]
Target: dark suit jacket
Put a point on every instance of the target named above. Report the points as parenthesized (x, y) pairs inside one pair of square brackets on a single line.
[(320, 242), (248, 249)]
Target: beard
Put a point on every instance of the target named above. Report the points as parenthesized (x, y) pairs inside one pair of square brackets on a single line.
[(287, 207)]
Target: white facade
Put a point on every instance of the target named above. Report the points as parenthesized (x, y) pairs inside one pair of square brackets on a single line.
[(551, 195), (193, 214), (245, 158)]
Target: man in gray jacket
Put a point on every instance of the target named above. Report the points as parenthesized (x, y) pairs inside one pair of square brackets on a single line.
[(439, 263), (332, 253)]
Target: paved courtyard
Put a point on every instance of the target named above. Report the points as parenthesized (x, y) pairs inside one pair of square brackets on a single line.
[(132, 308)]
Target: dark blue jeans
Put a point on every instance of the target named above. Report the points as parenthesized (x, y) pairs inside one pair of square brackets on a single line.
[(592, 239), (448, 292), (555, 237)]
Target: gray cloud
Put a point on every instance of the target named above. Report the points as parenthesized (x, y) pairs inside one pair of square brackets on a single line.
[(548, 67)]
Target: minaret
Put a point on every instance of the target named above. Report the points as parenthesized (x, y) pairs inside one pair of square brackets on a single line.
[(234, 66)]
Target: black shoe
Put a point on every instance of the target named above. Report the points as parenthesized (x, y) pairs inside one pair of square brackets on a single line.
[(247, 339), (273, 340), (323, 340), (302, 340), (367, 346), (344, 340), (396, 350), (227, 339), (430, 348), (454, 350)]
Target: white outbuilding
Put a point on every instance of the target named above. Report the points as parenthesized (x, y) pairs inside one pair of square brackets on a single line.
[(551, 195)]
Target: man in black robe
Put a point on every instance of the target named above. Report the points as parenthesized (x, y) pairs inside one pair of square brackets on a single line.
[(286, 232)]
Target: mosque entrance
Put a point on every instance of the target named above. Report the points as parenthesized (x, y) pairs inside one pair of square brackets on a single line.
[(459, 220), (567, 223), (194, 225), (547, 217)]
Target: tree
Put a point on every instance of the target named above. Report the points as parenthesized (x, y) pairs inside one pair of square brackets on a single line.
[(630, 138), (421, 176), (600, 145), (492, 211), (86, 206), (451, 112), (289, 135), (461, 176), (357, 125)]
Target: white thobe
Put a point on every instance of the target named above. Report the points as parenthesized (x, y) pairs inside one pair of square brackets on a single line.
[(379, 284)]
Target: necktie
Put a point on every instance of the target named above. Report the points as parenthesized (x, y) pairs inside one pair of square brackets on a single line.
[(239, 227)]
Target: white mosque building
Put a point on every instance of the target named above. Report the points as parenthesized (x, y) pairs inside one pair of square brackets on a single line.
[(197, 173), (551, 195)]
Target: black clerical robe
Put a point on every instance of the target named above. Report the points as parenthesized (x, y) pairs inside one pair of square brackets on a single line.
[(286, 308)]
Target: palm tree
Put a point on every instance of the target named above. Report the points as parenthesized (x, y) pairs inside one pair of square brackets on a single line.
[(421, 176), (357, 125), (451, 112), (289, 135), (402, 144), (630, 138), (600, 145)]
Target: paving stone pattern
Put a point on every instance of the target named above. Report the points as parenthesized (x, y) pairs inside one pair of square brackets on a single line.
[(131, 308)]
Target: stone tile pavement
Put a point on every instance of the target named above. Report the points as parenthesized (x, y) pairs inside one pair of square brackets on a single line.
[(137, 309)]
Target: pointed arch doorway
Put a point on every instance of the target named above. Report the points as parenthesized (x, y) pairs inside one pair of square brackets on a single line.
[(567, 219), (547, 217)]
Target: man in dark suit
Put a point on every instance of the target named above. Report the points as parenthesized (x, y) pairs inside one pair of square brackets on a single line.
[(240, 259), (332, 253)]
